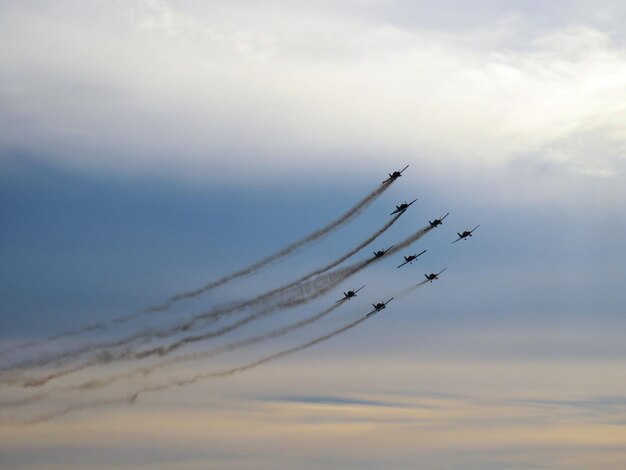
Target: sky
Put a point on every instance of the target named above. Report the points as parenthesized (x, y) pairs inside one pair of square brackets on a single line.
[(149, 147)]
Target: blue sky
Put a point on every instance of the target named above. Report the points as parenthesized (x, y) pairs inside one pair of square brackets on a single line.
[(90, 244), (149, 147)]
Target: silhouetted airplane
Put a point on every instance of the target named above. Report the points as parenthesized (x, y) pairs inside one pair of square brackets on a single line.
[(395, 175), (464, 235), (436, 222), (431, 277), (379, 253), (402, 207), (378, 307), (411, 258), (348, 295)]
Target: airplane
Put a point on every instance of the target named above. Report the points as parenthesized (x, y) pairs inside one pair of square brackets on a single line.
[(431, 277), (395, 175), (378, 307), (402, 207), (380, 253), (348, 295), (465, 234), (436, 222), (411, 258)]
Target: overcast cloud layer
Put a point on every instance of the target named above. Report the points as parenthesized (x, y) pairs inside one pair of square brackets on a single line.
[(212, 86)]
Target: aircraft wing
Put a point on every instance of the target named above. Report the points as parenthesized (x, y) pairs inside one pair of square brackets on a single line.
[(458, 239), (416, 256), (404, 169), (359, 289), (387, 180), (403, 209), (341, 300), (472, 231), (444, 217), (388, 301), (372, 312), (441, 271)]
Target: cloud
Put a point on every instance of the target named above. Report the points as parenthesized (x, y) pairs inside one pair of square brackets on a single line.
[(335, 400), (390, 412), (212, 88)]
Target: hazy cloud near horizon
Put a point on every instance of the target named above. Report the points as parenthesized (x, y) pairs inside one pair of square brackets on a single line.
[(197, 87), (307, 413)]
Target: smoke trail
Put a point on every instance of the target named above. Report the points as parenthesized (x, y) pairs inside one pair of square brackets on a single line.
[(291, 293), (131, 398), (410, 240), (232, 346), (99, 383), (148, 334), (251, 365), (111, 356), (73, 408), (30, 344), (341, 220), (163, 350), (24, 401), (18, 347), (300, 292), (408, 290), (144, 371), (347, 255), (279, 254), (30, 382), (299, 295), (166, 350), (170, 348)]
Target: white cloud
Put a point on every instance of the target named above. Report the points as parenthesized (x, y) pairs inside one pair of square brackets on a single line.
[(200, 86)]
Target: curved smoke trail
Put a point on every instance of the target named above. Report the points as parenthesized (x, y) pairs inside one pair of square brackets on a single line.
[(300, 294), (296, 295), (144, 371), (335, 224), (229, 347), (366, 201), (147, 335), (131, 398), (307, 294)]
